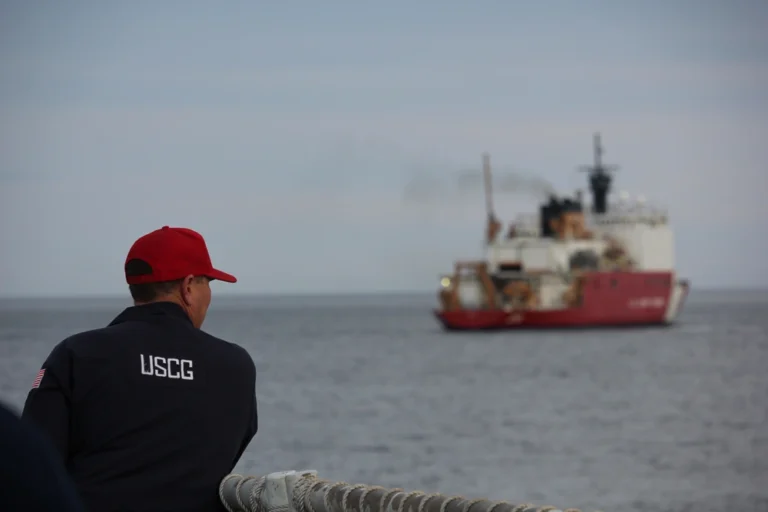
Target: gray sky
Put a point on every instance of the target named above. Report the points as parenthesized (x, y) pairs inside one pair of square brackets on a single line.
[(286, 133)]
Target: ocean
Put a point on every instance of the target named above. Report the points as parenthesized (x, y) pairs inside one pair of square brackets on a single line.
[(368, 389)]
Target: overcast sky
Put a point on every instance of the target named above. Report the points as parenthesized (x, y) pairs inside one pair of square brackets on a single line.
[(286, 133)]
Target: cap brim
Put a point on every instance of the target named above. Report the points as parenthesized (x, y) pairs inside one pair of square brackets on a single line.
[(221, 276)]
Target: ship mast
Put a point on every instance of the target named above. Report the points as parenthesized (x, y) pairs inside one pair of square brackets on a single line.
[(599, 178), (488, 182), (492, 226)]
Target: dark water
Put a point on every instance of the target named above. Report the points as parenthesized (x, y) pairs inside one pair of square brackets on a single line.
[(369, 390)]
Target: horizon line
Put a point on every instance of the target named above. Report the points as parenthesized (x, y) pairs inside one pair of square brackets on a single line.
[(322, 293)]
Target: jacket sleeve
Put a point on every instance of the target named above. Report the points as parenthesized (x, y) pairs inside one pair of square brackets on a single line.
[(48, 402), (253, 427), (253, 422)]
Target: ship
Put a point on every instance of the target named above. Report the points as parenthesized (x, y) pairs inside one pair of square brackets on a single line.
[(608, 264)]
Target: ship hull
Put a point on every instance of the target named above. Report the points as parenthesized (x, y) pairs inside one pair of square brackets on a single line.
[(624, 306)]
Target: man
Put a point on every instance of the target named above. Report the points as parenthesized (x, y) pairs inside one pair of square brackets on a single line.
[(150, 412), (32, 477)]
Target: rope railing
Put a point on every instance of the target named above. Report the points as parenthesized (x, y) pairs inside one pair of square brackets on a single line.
[(303, 491)]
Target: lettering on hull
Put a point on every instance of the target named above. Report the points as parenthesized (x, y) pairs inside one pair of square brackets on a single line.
[(167, 367), (514, 319), (647, 302)]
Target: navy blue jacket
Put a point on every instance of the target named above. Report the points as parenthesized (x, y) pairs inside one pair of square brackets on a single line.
[(149, 413)]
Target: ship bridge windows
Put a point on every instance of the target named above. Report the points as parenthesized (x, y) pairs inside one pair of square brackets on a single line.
[(650, 219)]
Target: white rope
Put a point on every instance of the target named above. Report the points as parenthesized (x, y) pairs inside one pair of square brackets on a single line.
[(247, 494), (222, 498)]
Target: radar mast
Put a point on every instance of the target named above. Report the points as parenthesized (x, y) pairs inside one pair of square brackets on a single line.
[(599, 178)]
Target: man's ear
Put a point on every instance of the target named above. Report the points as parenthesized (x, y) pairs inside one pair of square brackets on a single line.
[(186, 289)]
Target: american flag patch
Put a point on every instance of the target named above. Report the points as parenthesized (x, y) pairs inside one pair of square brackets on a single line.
[(39, 378)]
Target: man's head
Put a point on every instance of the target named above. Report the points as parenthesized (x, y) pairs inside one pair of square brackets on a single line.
[(172, 264)]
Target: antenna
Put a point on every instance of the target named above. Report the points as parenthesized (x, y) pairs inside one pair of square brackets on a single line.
[(488, 181), (598, 151), (599, 177), (492, 225), (598, 166)]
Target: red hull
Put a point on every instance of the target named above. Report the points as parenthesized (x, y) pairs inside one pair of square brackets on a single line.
[(616, 299)]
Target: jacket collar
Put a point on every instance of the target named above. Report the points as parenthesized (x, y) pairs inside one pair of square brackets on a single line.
[(151, 310)]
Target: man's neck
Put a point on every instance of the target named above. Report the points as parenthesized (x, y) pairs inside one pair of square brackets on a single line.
[(168, 298)]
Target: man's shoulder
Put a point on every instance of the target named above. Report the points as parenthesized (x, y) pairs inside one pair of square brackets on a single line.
[(90, 336), (231, 349), (77, 341)]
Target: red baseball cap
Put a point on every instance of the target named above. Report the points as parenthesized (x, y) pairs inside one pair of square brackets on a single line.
[(168, 254)]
